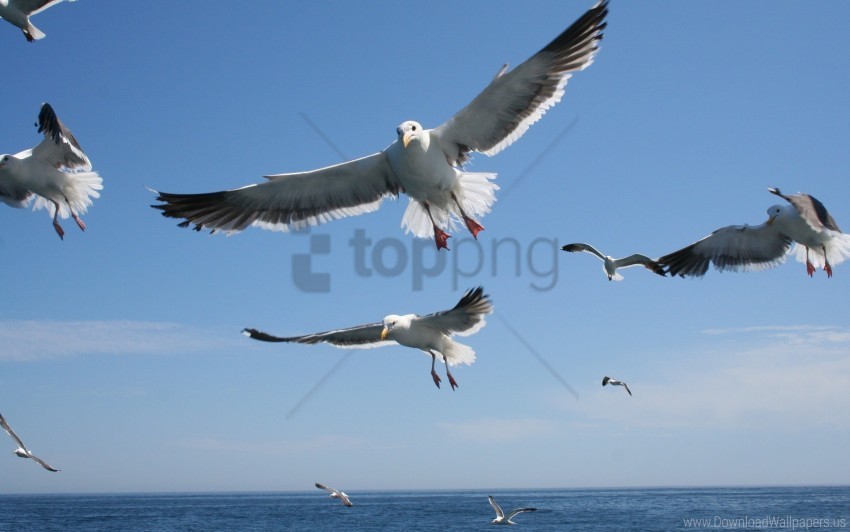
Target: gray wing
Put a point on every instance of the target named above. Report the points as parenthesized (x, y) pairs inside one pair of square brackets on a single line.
[(467, 317), (578, 246), (360, 337), (810, 209), (43, 464), (626, 386), (735, 247), (495, 505), (31, 7), (515, 100), (605, 380), (640, 260), (11, 433), (519, 511), (59, 147), (288, 201)]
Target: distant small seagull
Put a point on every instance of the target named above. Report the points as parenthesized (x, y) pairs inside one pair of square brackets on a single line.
[(425, 164), (613, 382), (56, 174), (611, 264), (501, 518), (336, 494), (22, 450), (430, 333), (18, 12), (805, 222)]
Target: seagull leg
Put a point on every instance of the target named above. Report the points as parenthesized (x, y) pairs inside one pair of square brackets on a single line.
[(826, 267), (473, 226), (452, 380), (440, 237), (433, 372), (809, 268), (77, 219), (56, 225)]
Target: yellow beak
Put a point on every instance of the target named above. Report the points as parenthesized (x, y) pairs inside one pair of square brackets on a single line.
[(384, 333), (771, 220), (406, 138)]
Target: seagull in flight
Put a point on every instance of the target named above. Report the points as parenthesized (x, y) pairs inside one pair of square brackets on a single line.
[(336, 494), (430, 333), (501, 518), (804, 223), (611, 265), (56, 174), (18, 13), (22, 450), (613, 382), (425, 164)]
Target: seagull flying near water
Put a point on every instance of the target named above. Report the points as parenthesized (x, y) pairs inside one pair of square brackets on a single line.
[(22, 450), (430, 333), (18, 13), (610, 264), (425, 164), (56, 174), (336, 494), (613, 382), (501, 517), (804, 222)]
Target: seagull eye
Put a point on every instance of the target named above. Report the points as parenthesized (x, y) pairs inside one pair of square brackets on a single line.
[(413, 128)]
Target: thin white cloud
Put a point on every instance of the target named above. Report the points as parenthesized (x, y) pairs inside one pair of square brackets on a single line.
[(499, 430), (26, 340), (794, 378)]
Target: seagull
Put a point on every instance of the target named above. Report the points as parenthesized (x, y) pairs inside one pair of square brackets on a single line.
[(614, 382), (430, 333), (22, 450), (336, 494), (804, 222), (56, 174), (501, 518), (611, 264), (18, 12), (425, 164)]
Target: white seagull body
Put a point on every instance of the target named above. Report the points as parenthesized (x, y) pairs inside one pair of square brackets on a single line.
[(18, 13), (22, 450), (56, 174), (804, 222), (501, 517), (613, 382), (336, 494), (425, 164), (610, 265), (430, 333)]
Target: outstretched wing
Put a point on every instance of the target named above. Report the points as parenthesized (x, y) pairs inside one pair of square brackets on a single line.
[(360, 337), (578, 246), (59, 147), (33, 7), (519, 511), (495, 505), (515, 100), (735, 247), (467, 317), (640, 260), (288, 201), (43, 464), (11, 433), (626, 386)]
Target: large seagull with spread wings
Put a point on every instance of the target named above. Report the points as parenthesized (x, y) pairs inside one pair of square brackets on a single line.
[(425, 164), (430, 333)]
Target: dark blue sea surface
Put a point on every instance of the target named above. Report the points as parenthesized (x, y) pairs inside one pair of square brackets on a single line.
[(767, 508)]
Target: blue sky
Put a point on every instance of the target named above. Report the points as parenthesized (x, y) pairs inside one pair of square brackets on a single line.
[(121, 361)]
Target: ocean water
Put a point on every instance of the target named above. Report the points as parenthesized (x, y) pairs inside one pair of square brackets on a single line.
[(779, 508)]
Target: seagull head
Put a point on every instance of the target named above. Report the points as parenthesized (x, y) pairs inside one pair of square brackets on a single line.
[(390, 323), (22, 453), (773, 213), (5, 159), (409, 131)]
